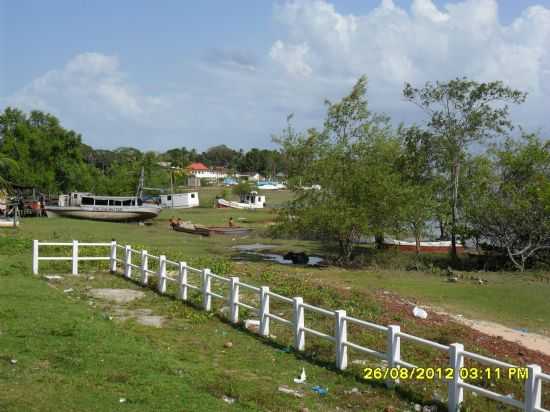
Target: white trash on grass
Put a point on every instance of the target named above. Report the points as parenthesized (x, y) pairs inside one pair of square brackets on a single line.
[(420, 313), (302, 377)]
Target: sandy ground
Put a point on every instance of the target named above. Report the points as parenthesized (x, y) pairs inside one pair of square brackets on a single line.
[(529, 340)]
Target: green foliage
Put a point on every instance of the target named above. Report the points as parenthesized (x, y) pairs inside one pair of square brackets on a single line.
[(36, 151), (513, 209), (242, 188), (353, 160), (462, 112)]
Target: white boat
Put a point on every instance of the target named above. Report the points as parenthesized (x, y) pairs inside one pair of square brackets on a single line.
[(276, 186), (248, 201), (80, 205), (8, 222), (433, 247)]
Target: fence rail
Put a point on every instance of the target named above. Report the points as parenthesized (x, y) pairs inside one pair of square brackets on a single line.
[(532, 401)]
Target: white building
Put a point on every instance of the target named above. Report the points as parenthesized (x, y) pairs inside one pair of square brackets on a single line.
[(180, 200), (201, 171)]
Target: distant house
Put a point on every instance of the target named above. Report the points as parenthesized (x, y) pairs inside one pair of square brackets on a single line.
[(249, 176), (202, 171), (164, 164)]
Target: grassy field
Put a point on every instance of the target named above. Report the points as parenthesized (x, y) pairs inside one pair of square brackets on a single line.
[(74, 357), (63, 351), (518, 301)]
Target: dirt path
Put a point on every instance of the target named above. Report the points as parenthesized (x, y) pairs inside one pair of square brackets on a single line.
[(528, 340)]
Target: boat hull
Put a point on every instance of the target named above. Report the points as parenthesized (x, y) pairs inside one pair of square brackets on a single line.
[(426, 247), (194, 230), (235, 231), (115, 214), (238, 205), (7, 223)]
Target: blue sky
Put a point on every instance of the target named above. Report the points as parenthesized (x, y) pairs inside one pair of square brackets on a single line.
[(160, 75)]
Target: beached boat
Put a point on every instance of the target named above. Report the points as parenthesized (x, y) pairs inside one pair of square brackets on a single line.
[(8, 222), (80, 205), (268, 185), (233, 230), (430, 247), (248, 201), (188, 227)]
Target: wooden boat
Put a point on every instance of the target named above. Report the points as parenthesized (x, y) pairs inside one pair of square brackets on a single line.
[(429, 247), (188, 227), (107, 208), (233, 230)]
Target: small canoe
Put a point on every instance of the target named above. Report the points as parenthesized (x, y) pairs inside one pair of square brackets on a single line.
[(234, 230), (187, 227)]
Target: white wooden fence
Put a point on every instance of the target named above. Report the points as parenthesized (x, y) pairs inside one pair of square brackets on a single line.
[(532, 401)]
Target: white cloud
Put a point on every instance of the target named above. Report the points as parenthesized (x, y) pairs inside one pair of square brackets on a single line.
[(91, 81), (240, 96), (292, 58), (393, 45)]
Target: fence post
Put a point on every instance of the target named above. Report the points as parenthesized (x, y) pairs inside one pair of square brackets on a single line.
[(394, 350), (112, 267), (533, 389), (456, 361), (35, 257), (128, 261), (162, 274), (341, 338), (182, 281), (264, 311), (75, 257), (144, 267), (206, 297), (298, 318), (234, 299)]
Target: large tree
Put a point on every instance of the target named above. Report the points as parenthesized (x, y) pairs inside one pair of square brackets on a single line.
[(354, 161), (419, 182), (462, 112)]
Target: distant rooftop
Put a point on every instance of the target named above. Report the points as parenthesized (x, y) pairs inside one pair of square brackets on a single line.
[(197, 166)]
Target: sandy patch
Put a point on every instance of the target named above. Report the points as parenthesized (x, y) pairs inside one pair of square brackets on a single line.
[(532, 341), (117, 295)]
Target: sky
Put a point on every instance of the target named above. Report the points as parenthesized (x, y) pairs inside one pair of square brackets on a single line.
[(159, 75)]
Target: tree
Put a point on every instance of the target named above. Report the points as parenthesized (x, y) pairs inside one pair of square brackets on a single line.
[(353, 159), (7, 166), (513, 209), (419, 182), (462, 112), (242, 188), (49, 157)]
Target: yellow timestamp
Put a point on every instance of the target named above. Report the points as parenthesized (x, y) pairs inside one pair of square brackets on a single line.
[(419, 374)]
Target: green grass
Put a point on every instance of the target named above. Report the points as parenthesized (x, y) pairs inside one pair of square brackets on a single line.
[(59, 339), (519, 301), (71, 356)]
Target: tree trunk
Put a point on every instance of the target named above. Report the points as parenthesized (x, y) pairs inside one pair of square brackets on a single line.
[(442, 233), (379, 240), (417, 241), (454, 206)]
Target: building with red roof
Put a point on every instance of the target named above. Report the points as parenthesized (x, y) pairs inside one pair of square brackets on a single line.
[(201, 171)]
